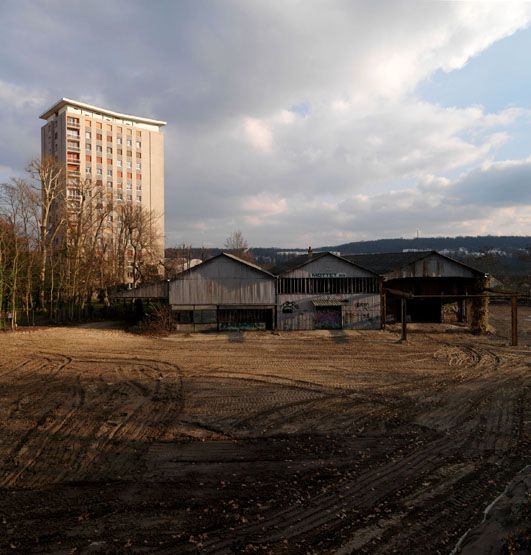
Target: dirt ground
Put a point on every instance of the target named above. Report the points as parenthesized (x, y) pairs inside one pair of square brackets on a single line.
[(299, 442)]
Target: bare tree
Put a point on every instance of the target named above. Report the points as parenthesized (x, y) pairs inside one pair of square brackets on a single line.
[(237, 244), (139, 242), (49, 178)]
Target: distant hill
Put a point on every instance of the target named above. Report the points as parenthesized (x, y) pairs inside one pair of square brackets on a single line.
[(507, 257), (471, 244)]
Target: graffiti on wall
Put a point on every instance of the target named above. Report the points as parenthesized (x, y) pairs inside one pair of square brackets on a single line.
[(289, 307)]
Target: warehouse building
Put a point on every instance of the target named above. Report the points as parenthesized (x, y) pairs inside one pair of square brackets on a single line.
[(326, 291), (224, 292), (430, 276), (322, 291)]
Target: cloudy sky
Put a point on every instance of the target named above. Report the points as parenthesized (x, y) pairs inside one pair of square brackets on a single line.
[(299, 122)]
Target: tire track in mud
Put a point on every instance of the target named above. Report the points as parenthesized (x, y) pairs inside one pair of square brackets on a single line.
[(63, 440), (328, 509), (370, 488), (282, 409), (453, 510)]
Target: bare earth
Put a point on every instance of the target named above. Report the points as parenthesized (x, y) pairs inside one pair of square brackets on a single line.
[(300, 442)]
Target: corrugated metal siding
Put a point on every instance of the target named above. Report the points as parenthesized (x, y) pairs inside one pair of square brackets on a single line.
[(298, 312), (223, 282), (432, 266), (151, 291), (328, 264)]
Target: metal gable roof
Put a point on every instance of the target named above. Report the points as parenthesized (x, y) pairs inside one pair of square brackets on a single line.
[(230, 256), (383, 263), (299, 261)]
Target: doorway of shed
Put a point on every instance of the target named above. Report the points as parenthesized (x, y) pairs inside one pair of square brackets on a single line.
[(328, 318)]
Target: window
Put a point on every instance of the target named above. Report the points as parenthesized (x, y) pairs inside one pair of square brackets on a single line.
[(98, 125), (138, 144), (129, 185), (119, 195), (129, 132), (109, 161), (139, 186), (138, 166), (88, 158), (108, 127), (129, 175), (119, 163), (139, 133), (99, 160), (120, 185), (88, 169), (129, 153), (119, 152), (118, 140), (99, 136), (109, 150), (109, 138), (109, 184), (129, 197), (109, 172), (99, 149), (88, 123), (99, 171), (139, 198), (120, 173), (138, 155), (87, 134), (138, 177), (88, 147), (129, 164), (129, 142)]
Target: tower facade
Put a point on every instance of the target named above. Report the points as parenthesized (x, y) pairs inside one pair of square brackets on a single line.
[(122, 154)]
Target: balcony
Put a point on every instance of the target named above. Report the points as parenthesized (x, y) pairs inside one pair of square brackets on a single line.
[(73, 148), (72, 123), (75, 161), (74, 172)]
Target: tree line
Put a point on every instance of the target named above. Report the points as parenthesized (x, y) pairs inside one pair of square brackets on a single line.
[(65, 242)]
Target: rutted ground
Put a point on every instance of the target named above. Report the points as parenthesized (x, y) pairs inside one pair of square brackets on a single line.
[(299, 442)]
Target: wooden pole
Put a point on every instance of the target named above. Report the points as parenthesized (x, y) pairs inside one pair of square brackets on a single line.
[(403, 314), (383, 309), (514, 320)]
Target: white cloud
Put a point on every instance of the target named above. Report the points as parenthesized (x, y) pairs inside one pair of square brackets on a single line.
[(236, 81)]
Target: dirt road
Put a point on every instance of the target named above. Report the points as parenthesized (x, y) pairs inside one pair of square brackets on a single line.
[(321, 442)]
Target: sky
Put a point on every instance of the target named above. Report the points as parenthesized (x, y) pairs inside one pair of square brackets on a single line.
[(298, 122)]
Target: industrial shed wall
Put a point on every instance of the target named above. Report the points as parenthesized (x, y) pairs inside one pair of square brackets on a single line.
[(357, 307), (354, 311), (150, 291), (223, 281), (327, 265), (432, 266)]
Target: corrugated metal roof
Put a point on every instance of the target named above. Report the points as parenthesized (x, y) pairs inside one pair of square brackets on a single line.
[(227, 255), (383, 263), (299, 261), (329, 301)]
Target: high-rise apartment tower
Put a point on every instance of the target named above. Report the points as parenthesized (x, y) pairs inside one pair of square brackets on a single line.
[(121, 153)]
